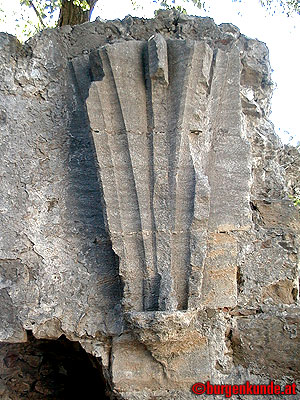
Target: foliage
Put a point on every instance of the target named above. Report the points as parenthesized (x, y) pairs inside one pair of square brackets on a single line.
[(47, 11), (296, 201), (171, 4), (286, 6)]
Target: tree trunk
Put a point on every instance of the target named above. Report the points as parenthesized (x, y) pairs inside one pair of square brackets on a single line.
[(70, 14)]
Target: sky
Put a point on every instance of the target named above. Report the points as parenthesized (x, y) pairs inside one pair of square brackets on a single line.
[(279, 32)]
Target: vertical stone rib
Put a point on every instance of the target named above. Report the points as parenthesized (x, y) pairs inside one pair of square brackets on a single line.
[(130, 85), (232, 149), (158, 70), (182, 180), (174, 173), (107, 175), (154, 130), (128, 230), (229, 177), (196, 124)]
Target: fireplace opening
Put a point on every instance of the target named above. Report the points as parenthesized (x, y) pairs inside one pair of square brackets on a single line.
[(50, 369)]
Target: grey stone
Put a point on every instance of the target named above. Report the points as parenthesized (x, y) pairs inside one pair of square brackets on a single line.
[(144, 209)]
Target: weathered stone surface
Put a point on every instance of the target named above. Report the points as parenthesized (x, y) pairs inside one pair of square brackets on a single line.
[(268, 343), (149, 166), (144, 208)]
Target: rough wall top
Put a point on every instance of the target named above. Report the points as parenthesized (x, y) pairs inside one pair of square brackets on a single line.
[(52, 49), (171, 24)]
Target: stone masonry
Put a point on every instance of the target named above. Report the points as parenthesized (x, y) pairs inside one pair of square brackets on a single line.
[(145, 209)]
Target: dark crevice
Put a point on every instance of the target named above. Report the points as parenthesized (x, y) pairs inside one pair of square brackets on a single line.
[(253, 206), (53, 370), (240, 280), (155, 284), (211, 72)]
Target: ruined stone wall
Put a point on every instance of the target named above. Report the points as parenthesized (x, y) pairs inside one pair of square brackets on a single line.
[(145, 209)]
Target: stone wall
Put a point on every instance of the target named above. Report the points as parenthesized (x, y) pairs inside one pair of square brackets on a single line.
[(145, 210)]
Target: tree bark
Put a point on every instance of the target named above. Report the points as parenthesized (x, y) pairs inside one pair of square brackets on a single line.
[(71, 14)]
